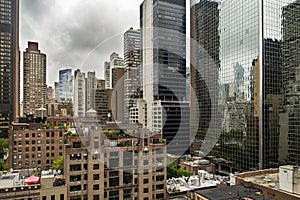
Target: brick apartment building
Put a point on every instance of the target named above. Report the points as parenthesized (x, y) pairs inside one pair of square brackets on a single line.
[(35, 143), (115, 163)]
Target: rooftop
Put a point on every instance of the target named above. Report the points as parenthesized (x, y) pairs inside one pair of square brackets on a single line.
[(232, 192), (195, 182)]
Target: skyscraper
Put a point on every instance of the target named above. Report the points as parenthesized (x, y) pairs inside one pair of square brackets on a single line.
[(163, 27), (56, 91), (34, 79), (91, 85), (117, 102), (114, 62), (237, 75), (9, 64), (132, 58), (79, 105), (291, 79), (65, 85)]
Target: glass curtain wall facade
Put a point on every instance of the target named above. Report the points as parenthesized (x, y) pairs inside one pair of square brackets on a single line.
[(9, 64), (246, 41), (163, 27), (65, 85)]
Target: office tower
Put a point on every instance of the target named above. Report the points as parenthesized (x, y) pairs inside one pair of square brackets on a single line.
[(56, 91), (132, 46), (34, 79), (103, 104), (117, 166), (117, 99), (114, 62), (65, 85), (9, 64), (91, 85), (204, 71), (238, 61), (164, 70), (79, 105), (49, 94), (291, 80)]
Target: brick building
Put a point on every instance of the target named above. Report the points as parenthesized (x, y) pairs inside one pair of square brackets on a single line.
[(122, 163), (34, 145)]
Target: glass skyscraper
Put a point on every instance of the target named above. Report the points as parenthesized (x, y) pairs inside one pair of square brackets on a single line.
[(241, 52), (9, 64), (65, 85), (163, 28)]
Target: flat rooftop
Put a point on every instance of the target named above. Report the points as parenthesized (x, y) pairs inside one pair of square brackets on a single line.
[(270, 180), (232, 192)]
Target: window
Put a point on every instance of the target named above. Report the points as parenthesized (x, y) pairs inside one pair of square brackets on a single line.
[(96, 177), (96, 166), (52, 197), (146, 162), (96, 197), (61, 197), (96, 187), (44, 198), (146, 190), (146, 181)]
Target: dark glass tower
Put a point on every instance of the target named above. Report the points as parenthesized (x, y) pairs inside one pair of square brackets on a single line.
[(291, 81), (9, 64), (163, 27), (240, 73)]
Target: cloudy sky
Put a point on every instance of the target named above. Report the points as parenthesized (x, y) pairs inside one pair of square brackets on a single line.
[(75, 33)]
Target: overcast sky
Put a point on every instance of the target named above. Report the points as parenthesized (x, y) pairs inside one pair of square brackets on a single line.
[(75, 33)]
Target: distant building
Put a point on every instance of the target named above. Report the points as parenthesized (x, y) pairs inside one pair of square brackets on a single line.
[(56, 91), (121, 166), (61, 108), (34, 79), (49, 94), (9, 64), (115, 62), (101, 84), (117, 100), (132, 59), (103, 104), (65, 85), (79, 105), (91, 85)]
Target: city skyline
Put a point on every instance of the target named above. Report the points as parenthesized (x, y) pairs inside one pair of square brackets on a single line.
[(80, 33)]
